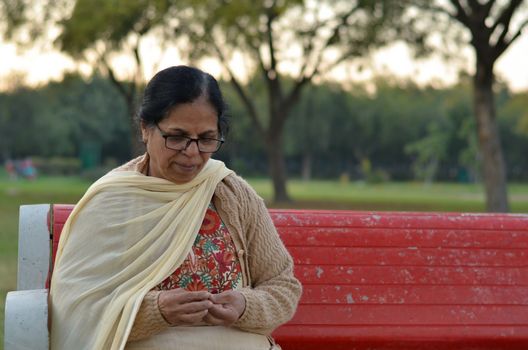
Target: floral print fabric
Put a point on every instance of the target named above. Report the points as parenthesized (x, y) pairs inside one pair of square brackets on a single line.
[(212, 263)]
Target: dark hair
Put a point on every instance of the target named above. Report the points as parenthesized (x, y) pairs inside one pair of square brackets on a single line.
[(178, 85)]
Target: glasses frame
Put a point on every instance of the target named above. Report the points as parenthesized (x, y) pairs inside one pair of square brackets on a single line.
[(189, 141)]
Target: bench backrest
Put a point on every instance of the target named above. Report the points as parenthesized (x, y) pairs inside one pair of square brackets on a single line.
[(389, 278)]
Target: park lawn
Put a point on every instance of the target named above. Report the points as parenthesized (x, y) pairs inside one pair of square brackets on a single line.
[(309, 195), (400, 196)]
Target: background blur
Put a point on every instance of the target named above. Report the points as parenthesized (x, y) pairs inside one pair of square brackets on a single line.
[(371, 91), (334, 104)]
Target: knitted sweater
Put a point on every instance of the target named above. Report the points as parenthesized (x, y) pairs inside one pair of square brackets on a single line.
[(269, 286)]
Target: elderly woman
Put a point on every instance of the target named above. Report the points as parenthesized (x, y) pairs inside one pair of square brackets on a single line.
[(172, 250)]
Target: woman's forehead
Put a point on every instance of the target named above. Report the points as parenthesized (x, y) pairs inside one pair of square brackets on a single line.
[(191, 117)]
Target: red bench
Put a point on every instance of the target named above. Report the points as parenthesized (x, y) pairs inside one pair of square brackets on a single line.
[(400, 280)]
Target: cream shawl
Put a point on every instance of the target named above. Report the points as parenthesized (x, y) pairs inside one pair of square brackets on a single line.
[(127, 234)]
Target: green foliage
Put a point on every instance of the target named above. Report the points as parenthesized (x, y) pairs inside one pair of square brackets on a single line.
[(448, 137), (13, 15), (112, 22), (54, 120), (514, 112), (429, 151), (405, 132), (513, 124), (306, 130)]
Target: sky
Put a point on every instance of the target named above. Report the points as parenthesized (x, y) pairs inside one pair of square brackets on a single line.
[(39, 67)]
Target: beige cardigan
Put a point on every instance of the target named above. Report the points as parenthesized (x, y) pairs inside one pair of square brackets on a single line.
[(269, 286)]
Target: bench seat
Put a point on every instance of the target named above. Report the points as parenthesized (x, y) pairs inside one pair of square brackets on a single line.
[(400, 280)]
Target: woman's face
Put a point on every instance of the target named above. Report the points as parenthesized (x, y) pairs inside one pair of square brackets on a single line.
[(195, 120)]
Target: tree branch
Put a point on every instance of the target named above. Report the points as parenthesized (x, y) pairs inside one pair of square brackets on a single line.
[(504, 44), (309, 45), (239, 90), (505, 17), (271, 75), (475, 5), (119, 85), (294, 94), (430, 7), (461, 14), (488, 6), (342, 22), (139, 68), (305, 78), (345, 56), (269, 37)]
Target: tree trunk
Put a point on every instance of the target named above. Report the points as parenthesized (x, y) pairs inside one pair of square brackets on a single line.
[(493, 167), (277, 166), (130, 95)]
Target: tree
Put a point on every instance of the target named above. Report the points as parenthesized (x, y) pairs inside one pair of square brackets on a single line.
[(96, 32), (118, 27), (57, 119), (288, 44), (301, 39), (492, 28)]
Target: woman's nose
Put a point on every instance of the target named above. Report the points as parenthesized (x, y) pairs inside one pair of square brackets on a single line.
[(192, 148)]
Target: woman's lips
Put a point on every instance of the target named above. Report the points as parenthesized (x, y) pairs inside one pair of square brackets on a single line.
[(186, 167)]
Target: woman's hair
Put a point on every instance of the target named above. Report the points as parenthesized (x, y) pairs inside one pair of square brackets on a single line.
[(177, 85)]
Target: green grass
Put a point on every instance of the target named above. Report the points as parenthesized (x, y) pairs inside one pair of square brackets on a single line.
[(404, 196), (312, 194)]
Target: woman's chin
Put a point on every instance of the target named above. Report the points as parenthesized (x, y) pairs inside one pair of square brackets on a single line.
[(181, 173)]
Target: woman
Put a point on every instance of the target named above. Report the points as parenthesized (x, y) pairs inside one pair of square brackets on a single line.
[(172, 250)]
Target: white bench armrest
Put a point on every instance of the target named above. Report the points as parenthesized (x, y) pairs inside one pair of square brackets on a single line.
[(26, 320), (33, 246)]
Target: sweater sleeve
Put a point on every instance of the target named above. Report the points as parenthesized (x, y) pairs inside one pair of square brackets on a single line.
[(149, 320), (272, 297)]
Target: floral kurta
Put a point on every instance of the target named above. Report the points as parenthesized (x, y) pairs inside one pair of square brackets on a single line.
[(212, 263)]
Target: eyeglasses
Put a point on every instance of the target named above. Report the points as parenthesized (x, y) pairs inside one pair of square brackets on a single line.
[(181, 143)]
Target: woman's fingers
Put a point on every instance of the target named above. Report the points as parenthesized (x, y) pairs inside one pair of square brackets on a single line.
[(181, 307), (227, 308), (212, 320), (193, 318), (224, 313)]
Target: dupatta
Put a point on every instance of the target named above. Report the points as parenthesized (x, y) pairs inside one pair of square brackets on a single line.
[(126, 235)]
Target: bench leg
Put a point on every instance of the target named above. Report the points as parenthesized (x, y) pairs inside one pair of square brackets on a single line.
[(26, 320)]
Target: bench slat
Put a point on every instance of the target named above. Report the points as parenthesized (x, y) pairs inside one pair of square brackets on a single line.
[(398, 315), (412, 275), (411, 256), (395, 237), (421, 295), (409, 220)]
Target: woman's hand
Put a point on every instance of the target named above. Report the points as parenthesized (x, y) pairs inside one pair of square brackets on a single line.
[(226, 308), (183, 308)]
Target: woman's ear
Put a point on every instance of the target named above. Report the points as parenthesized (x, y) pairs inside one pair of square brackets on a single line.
[(144, 132)]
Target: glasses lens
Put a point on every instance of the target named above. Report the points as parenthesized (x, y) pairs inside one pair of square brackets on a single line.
[(208, 145), (176, 142)]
